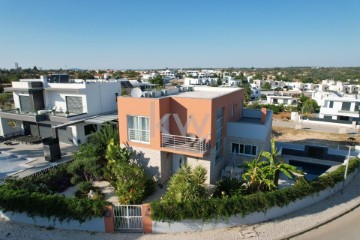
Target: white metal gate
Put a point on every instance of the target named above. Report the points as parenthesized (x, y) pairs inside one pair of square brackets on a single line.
[(128, 218)]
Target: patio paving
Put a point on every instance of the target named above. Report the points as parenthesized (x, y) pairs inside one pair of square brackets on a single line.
[(34, 155)]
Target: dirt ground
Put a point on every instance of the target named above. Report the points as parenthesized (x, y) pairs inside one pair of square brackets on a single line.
[(303, 136)]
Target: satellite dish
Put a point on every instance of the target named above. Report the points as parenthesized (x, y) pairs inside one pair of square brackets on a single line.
[(136, 92)]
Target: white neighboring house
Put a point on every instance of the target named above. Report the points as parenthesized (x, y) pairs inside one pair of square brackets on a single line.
[(286, 100), (169, 74), (296, 86), (199, 81), (255, 92), (146, 77), (342, 108), (74, 108), (231, 81)]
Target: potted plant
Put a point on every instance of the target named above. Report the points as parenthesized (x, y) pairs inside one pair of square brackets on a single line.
[(17, 110), (53, 112), (66, 113)]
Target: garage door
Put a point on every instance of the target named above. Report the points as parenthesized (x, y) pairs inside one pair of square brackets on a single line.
[(65, 135), (74, 104)]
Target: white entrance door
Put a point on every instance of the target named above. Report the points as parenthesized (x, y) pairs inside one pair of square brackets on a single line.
[(177, 162)]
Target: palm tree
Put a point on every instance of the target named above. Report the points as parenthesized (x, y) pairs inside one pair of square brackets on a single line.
[(257, 177), (277, 164)]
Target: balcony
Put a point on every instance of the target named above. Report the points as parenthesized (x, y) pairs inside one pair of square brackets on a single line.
[(16, 114), (188, 145)]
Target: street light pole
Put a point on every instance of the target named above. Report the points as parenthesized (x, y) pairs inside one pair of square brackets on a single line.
[(346, 169)]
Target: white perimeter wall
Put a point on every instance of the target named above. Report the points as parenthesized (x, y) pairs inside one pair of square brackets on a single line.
[(257, 217), (95, 224)]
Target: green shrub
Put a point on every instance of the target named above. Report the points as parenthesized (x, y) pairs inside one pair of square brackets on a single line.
[(39, 204), (222, 208), (229, 187), (85, 187), (150, 186)]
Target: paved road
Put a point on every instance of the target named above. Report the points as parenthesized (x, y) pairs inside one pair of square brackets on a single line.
[(346, 227)]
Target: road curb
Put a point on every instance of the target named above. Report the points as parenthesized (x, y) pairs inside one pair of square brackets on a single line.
[(289, 236)]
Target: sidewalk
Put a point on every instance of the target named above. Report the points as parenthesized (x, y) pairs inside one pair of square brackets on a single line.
[(281, 228)]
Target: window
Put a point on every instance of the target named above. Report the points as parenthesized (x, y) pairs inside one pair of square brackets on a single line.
[(89, 129), (233, 110), (138, 129), (346, 106), (331, 104), (219, 134), (243, 149), (116, 96)]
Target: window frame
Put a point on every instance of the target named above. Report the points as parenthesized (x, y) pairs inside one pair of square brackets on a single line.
[(243, 148), (146, 131)]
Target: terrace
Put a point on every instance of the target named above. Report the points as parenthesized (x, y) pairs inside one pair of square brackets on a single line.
[(21, 160), (190, 144)]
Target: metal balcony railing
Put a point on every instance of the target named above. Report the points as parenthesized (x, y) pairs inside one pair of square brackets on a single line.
[(185, 143), (137, 135)]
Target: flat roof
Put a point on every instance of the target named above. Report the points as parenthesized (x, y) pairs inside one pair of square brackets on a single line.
[(206, 92)]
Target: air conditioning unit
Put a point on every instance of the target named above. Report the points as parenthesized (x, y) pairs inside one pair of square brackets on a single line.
[(146, 94), (153, 94)]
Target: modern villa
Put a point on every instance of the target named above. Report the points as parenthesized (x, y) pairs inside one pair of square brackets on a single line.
[(195, 125), (75, 108)]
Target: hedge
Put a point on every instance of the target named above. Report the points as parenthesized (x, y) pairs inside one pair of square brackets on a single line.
[(222, 208), (58, 206)]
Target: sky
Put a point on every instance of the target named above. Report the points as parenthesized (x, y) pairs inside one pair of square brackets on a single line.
[(144, 34)]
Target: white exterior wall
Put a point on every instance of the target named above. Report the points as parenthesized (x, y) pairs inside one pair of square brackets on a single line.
[(250, 130), (6, 129), (17, 99), (58, 99), (288, 101), (101, 97), (336, 109)]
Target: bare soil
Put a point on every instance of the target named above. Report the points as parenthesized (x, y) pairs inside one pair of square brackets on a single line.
[(301, 136)]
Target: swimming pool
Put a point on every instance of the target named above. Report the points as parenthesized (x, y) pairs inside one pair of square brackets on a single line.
[(10, 164), (311, 170)]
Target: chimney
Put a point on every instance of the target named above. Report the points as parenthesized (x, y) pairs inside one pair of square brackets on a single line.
[(263, 115)]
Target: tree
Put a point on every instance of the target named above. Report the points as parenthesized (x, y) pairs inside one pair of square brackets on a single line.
[(187, 185), (241, 77), (101, 139), (257, 179), (158, 80), (85, 75), (266, 86), (247, 90), (309, 106), (258, 76), (277, 164), (3, 98), (86, 163), (219, 82), (128, 177)]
